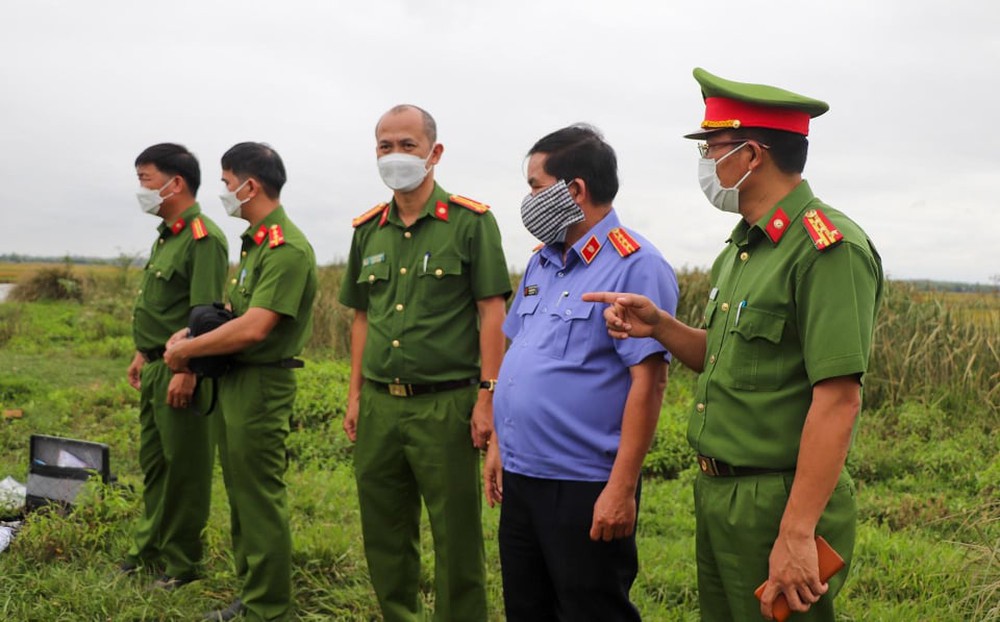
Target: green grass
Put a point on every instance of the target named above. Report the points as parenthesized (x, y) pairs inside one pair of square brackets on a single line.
[(925, 458)]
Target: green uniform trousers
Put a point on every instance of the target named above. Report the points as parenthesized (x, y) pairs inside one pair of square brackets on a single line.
[(175, 455), (256, 404), (408, 448), (737, 522)]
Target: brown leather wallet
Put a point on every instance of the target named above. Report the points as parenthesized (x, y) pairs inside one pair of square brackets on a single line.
[(830, 563)]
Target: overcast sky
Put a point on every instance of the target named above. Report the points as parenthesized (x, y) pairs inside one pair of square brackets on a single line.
[(910, 148)]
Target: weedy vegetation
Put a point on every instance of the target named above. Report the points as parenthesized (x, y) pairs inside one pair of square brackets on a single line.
[(925, 459)]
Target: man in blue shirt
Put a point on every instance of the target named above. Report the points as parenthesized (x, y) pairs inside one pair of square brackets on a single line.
[(574, 410)]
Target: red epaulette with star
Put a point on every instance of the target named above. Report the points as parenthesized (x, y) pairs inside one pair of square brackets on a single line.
[(372, 213), (277, 237), (622, 241), (824, 235), (590, 249), (178, 226), (469, 204), (260, 235), (198, 229)]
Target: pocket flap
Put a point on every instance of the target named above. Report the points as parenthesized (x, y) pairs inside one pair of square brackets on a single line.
[(442, 266), (374, 272), (527, 305), (759, 324), (576, 310)]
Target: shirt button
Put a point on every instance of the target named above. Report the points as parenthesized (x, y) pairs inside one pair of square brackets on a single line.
[(700, 407), (158, 273), (399, 307), (744, 256), (161, 240), (243, 254), (725, 306), (402, 270), (407, 235), (438, 272), (140, 291), (569, 312), (395, 343), (233, 281), (711, 359), (371, 278), (560, 274)]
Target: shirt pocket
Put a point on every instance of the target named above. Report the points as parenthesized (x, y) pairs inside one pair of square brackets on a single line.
[(440, 284), (160, 288), (709, 313), (756, 354), (569, 333), (376, 278)]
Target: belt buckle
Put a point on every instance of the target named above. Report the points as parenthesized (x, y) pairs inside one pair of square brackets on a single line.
[(708, 466), (400, 390)]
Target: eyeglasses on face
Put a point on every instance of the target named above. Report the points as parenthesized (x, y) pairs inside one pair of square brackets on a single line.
[(704, 148)]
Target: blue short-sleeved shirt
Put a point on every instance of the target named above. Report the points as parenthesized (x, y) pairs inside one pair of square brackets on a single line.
[(562, 387)]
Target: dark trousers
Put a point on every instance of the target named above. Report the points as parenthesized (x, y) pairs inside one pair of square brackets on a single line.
[(551, 568)]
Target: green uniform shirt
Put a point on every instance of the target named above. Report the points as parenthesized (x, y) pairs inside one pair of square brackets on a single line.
[(277, 271), (781, 316), (419, 286), (181, 272)]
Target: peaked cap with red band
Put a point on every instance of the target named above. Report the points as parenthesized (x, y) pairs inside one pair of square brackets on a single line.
[(732, 105)]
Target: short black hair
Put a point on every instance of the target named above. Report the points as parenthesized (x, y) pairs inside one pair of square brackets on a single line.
[(257, 160), (787, 149), (172, 159), (579, 151)]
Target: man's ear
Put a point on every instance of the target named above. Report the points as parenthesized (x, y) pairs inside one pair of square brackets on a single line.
[(577, 188), (436, 151)]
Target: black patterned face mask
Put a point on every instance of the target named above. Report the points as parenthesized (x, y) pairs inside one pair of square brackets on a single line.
[(549, 213)]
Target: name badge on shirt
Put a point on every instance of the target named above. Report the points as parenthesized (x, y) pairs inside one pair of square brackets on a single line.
[(531, 290), (374, 259)]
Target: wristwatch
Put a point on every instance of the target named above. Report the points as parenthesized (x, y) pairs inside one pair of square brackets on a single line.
[(489, 385)]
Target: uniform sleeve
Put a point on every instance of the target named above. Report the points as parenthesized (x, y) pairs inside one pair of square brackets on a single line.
[(352, 293), (835, 305), (282, 283), (652, 277), (209, 266), (488, 269)]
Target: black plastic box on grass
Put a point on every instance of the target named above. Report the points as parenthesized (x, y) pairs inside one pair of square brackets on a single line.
[(60, 467)]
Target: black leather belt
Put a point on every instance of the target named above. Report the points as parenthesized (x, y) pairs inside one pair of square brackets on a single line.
[(153, 354), (410, 390), (717, 468)]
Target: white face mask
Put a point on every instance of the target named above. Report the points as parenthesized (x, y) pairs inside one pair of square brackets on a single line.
[(402, 171), (150, 200), (232, 205), (725, 199)]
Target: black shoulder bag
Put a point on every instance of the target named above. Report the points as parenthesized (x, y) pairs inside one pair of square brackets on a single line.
[(203, 319)]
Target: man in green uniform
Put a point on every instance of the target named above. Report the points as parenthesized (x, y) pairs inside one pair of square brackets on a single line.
[(187, 267), (787, 337), (427, 280), (271, 296)]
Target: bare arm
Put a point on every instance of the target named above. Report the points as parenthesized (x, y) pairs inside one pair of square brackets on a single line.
[(235, 336), (632, 315), (492, 312), (359, 333), (615, 511), (826, 438)]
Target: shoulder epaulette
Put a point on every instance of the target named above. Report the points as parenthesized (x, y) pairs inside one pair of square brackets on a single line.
[(372, 213), (467, 203), (824, 235), (276, 236), (622, 241), (198, 229)]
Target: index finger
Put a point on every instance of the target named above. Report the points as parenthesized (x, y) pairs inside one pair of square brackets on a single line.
[(605, 297)]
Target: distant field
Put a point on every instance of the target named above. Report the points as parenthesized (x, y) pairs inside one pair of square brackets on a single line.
[(12, 272)]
